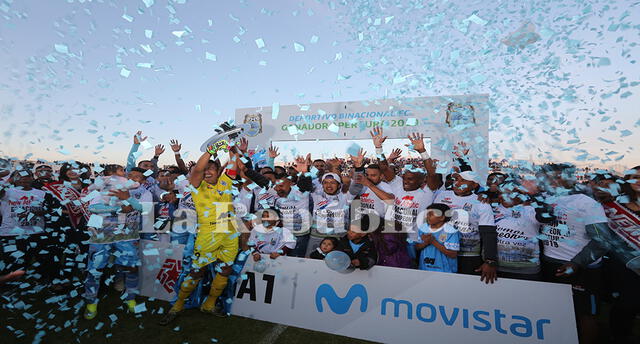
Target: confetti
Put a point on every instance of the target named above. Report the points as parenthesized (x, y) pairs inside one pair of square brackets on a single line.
[(260, 43), (61, 48), (209, 56), (298, 47), (275, 110), (125, 72), (95, 221)]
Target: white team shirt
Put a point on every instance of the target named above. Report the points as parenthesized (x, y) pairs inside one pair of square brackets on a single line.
[(264, 198), (518, 244), (409, 207), (271, 240), (371, 203), (331, 213), (468, 215), (568, 236), (295, 212), (16, 207)]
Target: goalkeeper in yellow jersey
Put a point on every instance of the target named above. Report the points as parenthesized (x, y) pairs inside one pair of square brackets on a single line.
[(216, 239)]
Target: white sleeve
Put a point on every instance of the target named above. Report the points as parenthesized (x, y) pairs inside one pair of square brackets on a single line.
[(385, 187), (395, 186), (146, 197), (484, 212), (288, 240), (252, 239), (593, 212)]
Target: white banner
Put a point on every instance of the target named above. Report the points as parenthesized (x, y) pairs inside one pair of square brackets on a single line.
[(161, 266), (446, 120), (394, 305)]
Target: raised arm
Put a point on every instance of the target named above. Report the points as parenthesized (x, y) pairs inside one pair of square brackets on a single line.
[(461, 151), (176, 147), (358, 163), (197, 173), (302, 167), (273, 154), (434, 181), (131, 157), (377, 135), (159, 149)]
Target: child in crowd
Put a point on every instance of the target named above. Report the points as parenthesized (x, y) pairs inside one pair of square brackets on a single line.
[(114, 178), (326, 245), (439, 241), (269, 237), (358, 246)]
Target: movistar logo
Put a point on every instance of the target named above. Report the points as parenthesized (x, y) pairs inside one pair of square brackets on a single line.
[(341, 305)]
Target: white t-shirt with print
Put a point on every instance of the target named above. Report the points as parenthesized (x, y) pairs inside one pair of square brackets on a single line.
[(271, 240), (468, 215), (264, 198), (567, 236), (330, 213), (295, 212), (371, 203), (409, 207), (518, 244), (16, 207)]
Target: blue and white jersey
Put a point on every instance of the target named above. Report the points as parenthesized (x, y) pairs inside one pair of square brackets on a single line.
[(431, 258)]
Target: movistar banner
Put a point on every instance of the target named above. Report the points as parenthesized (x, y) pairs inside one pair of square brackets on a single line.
[(395, 305), (446, 120)]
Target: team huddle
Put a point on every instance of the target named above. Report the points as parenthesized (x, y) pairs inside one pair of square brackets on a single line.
[(380, 210)]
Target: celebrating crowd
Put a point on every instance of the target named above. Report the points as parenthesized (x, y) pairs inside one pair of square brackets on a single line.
[(71, 228)]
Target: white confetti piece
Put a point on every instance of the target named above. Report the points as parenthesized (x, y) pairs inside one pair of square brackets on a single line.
[(61, 48), (334, 128), (314, 39), (125, 72), (179, 33), (260, 43), (127, 17), (475, 19), (148, 33), (298, 47), (211, 57), (148, 3), (95, 221)]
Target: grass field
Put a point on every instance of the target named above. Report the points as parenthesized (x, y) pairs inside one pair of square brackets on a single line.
[(26, 317)]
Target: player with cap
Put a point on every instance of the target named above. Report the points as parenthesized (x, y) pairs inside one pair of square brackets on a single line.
[(475, 222)]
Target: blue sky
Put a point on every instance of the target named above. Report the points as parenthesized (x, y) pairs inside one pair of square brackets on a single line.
[(570, 96)]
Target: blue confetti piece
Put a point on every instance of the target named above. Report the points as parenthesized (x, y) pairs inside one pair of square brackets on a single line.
[(140, 308)]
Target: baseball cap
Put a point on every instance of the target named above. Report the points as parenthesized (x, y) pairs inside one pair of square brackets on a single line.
[(331, 176), (470, 176)]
